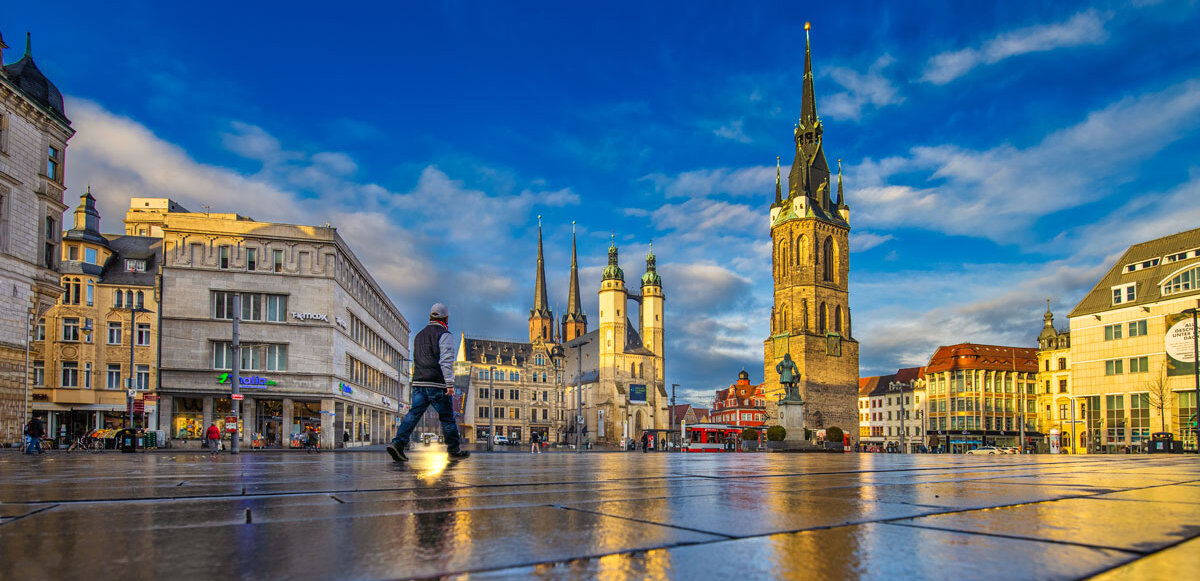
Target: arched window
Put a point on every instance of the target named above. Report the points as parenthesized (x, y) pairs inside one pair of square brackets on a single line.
[(91, 292), (632, 370), (119, 300), (129, 298), (828, 257), (800, 247), (141, 299), (837, 319), (821, 318), (1184, 281)]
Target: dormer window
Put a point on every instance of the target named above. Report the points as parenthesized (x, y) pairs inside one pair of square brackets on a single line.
[(1126, 293), (135, 265)]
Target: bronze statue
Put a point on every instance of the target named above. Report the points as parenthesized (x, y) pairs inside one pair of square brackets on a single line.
[(789, 375)]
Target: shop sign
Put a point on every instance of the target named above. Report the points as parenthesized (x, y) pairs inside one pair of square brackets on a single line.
[(237, 397), (310, 316), (342, 387), (340, 322), (231, 424), (251, 381), (41, 397), (1181, 354), (637, 392)]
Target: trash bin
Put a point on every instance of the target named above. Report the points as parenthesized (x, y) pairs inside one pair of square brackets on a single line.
[(127, 440)]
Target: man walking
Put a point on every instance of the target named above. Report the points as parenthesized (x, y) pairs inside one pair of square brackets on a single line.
[(34, 431), (433, 384)]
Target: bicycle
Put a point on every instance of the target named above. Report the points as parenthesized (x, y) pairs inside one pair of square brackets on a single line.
[(89, 444)]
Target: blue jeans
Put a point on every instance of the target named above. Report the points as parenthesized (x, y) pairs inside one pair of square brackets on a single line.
[(422, 398), (32, 444)]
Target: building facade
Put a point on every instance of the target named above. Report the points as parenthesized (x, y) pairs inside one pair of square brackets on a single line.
[(1131, 353), (892, 411), (810, 316), (101, 338), (322, 346), (34, 131), (981, 395), (618, 368), (740, 404), (1059, 416)]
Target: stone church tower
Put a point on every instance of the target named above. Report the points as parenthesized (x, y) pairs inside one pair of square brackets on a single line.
[(810, 318), (541, 319)]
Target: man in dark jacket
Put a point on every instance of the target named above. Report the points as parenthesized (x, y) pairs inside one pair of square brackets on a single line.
[(432, 384), (36, 432)]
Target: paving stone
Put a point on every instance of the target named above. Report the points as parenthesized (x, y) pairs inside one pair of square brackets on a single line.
[(1172, 563)]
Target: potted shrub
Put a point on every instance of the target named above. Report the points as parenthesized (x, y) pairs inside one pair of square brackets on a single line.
[(749, 440), (834, 438)]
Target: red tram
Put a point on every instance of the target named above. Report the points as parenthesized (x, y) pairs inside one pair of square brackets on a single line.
[(711, 438)]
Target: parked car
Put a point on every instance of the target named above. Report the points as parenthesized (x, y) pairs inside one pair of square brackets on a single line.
[(500, 440), (985, 450)]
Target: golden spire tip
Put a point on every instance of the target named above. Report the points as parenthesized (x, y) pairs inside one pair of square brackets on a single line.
[(807, 25)]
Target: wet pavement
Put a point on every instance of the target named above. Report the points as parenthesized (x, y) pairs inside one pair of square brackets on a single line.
[(356, 515)]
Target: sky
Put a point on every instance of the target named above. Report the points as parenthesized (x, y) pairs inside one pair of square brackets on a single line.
[(995, 155)]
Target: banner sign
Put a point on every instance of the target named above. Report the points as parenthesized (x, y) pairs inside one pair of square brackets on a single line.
[(637, 392), (1181, 353), (256, 381)]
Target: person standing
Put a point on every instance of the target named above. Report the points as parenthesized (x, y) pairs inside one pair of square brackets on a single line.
[(645, 442), (535, 443), (432, 385), (35, 431), (213, 435)]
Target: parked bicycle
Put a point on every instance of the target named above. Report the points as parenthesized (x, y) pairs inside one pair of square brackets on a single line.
[(87, 443)]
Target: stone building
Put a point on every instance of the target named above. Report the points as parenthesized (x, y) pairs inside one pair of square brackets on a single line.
[(86, 351), (1055, 416), (322, 346), (810, 316), (892, 410), (980, 395), (621, 385), (1130, 354), (34, 131)]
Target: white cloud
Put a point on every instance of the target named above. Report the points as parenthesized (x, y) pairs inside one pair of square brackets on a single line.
[(733, 131), (1082, 29), (748, 181), (862, 241), (862, 89)]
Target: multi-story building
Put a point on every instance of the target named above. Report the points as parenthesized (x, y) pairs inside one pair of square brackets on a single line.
[(687, 414), (514, 387), (1131, 352), (981, 395), (870, 411), (1058, 417), (810, 316), (102, 335), (740, 404), (623, 389), (322, 346), (891, 410), (34, 130)]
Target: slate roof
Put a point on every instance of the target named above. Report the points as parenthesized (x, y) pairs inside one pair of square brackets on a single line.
[(1147, 279), (25, 76), (986, 357), (136, 247), (493, 349)]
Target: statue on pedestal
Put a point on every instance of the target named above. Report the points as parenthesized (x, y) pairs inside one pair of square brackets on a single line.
[(789, 375)]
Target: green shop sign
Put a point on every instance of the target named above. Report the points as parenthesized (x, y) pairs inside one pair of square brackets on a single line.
[(248, 381)]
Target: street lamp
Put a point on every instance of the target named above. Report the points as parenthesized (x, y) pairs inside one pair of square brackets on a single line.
[(579, 343), (1195, 360), (671, 415), (556, 356), (491, 407)]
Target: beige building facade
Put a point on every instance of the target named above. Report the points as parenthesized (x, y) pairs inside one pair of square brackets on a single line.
[(981, 395), (1131, 360), (1059, 417), (322, 346), (34, 131)]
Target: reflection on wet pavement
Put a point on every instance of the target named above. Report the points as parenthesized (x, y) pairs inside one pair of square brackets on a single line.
[(355, 515)]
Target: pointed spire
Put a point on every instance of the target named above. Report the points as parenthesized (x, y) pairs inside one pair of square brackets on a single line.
[(778, 184), (28, 44), (808, 107), (540, 302), (651, 278), (613, 270), (1048, 317), (574, 305), (841, 201)]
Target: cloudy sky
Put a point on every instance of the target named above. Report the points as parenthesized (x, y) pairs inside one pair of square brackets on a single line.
[(995, 154)]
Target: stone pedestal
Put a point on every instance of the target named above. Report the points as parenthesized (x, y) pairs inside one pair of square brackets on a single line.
[(791, 417)]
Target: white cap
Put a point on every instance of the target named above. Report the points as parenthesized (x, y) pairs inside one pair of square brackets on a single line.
[(439, 311)]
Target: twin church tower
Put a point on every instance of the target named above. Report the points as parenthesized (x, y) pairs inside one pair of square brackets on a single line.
[(810, 316)]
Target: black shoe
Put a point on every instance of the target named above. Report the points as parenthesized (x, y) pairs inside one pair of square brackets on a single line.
[(396, 452), (460, 454)]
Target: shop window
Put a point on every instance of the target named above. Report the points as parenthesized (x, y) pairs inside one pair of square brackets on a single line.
[(187, 418)]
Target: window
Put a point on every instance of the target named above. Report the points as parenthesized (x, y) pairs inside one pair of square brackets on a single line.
[(1139, 364), (89, 256), (1126, 293), (252, 306), (483, 413), (118, 300), (70, 329), (276, 308), (1112, 332), (1114, 367), (1062, 386), (54, 163), (39, 330), (277, 357), (277, 259), (87, 375), (252, 358), (499, 413), (135, 265), (143, 377), (114, 332), (91, 293), (514, 394), (1139, 417), (1137, 328), (222, 355), (143, 334), (251, 258), (113, 380), (223, 261), (483, 393), (141, 300), (516, 413), (1062, 363), (39, 373), (70, 374), (1115, 417), (1184, 281), (72, 252)]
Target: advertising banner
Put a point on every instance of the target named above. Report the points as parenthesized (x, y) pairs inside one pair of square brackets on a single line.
[(637, 392), (1181, 353)]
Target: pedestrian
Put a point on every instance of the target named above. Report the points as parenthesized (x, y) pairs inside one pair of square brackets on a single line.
[(213, 435), (535, 443), (34, 432), (432, 385), (345, 438), (645, 442)]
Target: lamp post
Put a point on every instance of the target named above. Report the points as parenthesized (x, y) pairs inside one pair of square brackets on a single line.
[(556, 355), (491, 407), (133, 311), (672, 414), (1195, 361), (579, 395)]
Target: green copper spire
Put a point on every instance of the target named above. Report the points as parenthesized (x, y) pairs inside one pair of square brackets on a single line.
[(613, 270), (651, 277)]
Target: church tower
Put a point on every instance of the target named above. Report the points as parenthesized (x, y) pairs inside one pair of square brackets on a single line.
[(652, 312), (614, 298), (541, 320), (810, 318), (574, 323)]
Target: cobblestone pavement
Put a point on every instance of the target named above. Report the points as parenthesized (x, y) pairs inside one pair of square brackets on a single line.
[(351, 515)]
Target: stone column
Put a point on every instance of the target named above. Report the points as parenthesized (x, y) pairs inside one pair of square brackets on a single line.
[(249, 413), (165, 409), (207, 408), (328, 437), (288, 418)]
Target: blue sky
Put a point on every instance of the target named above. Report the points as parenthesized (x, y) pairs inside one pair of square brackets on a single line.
[(995, 154)]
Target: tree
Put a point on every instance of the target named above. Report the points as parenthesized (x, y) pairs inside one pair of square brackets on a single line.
[(776, 433), (750, 435), (834, 434), (1160, 395)]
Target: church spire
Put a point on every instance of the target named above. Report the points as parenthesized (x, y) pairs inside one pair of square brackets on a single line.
[(810, 175), (540, 302), (574, 323), (841, 200), (778, 184), (808, 104)]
